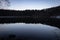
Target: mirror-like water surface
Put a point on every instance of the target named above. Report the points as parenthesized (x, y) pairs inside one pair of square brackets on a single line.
[(35, 30)]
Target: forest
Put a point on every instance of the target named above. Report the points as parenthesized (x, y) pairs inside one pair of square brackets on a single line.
[(44, 16)]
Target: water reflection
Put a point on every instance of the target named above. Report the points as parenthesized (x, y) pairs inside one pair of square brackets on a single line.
[(58, 17), (32, 30)]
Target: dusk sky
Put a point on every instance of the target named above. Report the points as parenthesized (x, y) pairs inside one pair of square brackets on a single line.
[(33, 4)]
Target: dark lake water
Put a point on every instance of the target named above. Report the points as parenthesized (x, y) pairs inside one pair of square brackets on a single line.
[(30, 30)]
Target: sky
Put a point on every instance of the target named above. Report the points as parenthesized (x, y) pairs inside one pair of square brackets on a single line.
[(33, 4)]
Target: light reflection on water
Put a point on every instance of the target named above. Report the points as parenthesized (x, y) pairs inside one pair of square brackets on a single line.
[(18, 26), (30, 29), (58, 17), (27, 26)]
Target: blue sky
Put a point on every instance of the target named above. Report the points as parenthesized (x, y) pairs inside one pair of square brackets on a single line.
[(33, 4)]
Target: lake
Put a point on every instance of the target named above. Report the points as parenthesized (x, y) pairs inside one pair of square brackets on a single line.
[(36, 31)]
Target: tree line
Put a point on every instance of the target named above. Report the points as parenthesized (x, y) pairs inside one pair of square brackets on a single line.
[(32, 16)]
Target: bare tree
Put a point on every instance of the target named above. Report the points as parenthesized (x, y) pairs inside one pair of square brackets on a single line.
[(4, 4)]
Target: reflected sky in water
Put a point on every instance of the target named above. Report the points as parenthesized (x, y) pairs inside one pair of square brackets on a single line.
[(23, 25), (38, 30), (58, 17)]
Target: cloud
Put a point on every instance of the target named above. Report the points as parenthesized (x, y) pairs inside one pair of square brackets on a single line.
[(4, 4)]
